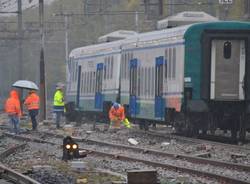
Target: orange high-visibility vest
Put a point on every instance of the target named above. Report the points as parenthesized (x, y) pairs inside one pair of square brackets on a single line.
[(119, 113), (12, 104), (32, 101)]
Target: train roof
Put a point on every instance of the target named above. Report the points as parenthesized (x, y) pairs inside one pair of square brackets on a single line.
[(96, 48), (128, 42), (156, 37)]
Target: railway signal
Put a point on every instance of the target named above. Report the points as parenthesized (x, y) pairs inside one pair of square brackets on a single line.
[(71, 149)]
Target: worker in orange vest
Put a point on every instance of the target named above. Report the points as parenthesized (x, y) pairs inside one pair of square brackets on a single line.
[(32, 103), (116, 115), (13, 109)]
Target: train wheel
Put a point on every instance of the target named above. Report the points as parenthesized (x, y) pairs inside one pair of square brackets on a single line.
[(212, 124), (242, 131), (146, 126), (154, 125), (233, 123), (78, 119), (189, 124)]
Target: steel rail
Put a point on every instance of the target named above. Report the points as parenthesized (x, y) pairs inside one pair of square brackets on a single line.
[(194, 140), (11, 150), (220, 178), (15, 177)]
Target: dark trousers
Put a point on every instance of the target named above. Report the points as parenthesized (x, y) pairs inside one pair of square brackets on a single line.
[(33, 113), (58, 118), (14, 119)]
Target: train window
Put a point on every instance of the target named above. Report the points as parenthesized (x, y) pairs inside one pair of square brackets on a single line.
[(89, 82), (142, 81), (227, 49), (89, 86), (129, 57), (81, 82), (85, 82), (108, 66), (122, 66), (125, 65), (166, 63), (139, 81), (146, 81), (152, 82), (73, 72), (91, 79), (105, 68), (170, 63), (93, 82), (111, 68), (76, 68), (174, 63)]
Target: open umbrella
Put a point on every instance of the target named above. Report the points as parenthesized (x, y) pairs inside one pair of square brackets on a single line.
[(25, 84)]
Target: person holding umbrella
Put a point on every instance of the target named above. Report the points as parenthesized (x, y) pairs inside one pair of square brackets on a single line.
[(13, 109), (32, 103)]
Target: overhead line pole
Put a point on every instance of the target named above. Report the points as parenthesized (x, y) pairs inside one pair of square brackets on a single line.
[(42, 63), (66, 29), (20, 36)]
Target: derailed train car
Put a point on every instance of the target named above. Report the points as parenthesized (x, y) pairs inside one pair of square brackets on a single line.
[(195, 77)]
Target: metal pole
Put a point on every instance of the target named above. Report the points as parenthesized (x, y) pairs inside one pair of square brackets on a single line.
[(211, 10), (66, 38), (66, 27), (42, 64), (20, 37), (85, 8)]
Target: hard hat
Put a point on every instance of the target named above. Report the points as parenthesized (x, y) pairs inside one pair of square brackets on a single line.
[(60, 84), (116, 105)]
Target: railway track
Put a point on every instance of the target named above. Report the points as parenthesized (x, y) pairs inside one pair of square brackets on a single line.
[(194, 140), (166, 154), (139, 155), (9, 176)]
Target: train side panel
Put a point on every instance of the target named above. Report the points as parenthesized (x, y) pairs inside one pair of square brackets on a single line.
[(152, 81)]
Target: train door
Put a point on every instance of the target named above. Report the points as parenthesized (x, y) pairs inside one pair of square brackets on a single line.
[(78, 86), (133, 87), (227, 69), (98, 87), (159, 101)]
